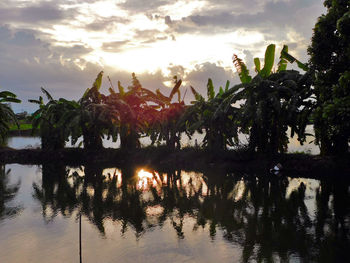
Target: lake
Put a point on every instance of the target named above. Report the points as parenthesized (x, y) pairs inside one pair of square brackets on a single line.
[(136, 214), (21, 142)]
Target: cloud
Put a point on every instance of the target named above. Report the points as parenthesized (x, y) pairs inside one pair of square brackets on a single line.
[(28, 63), (144, 5), (114, 46), (109, 23), (270, 17), (202, 72), (37, 64), (32, 51), (35, 13)]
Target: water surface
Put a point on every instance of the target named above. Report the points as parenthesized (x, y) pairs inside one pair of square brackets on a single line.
[(136, 214), (22, 142)]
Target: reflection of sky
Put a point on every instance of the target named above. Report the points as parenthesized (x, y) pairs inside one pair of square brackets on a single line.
[(310, 194), (19, 142), (293, 146)]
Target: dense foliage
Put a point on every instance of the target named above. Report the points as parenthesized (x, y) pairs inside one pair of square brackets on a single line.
[(263, 107), (273, 101), (330, 59), (6, 113), (45, 121)]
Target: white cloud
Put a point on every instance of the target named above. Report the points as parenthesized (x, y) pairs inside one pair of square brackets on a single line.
[(62, 45)]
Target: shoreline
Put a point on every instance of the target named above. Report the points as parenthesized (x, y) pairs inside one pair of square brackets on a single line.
[(194, 159), (16, 133)]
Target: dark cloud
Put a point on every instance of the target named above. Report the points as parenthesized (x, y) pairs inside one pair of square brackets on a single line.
[(74, 51), (270, 17), (177, 70), (28, 63), (198, 77), (168, 20), (32, 14)]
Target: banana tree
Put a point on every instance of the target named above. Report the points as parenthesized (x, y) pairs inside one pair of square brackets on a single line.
[(220, 129), (166, 125), (6, 113), (45, 120), (273, 101), (132, 112), (89, 117)]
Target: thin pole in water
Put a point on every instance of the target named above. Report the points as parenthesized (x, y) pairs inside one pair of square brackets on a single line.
[(80, 238)]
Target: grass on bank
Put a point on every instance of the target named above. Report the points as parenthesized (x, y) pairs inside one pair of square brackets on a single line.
[(23, 126)]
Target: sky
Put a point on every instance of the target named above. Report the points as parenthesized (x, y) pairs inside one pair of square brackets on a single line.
[(62, 45)]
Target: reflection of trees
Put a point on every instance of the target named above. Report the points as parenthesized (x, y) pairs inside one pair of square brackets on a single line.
[(7, 193), (333, 221), (259, 217), (56, 194), (260, 214)]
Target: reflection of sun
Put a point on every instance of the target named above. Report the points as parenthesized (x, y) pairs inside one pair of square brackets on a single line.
[(147, 179)]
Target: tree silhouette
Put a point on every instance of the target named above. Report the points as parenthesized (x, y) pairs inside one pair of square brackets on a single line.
[(6, 113), (330, 59), (7, 193)]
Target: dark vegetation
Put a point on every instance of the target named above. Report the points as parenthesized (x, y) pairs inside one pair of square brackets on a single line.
[(263, 107), (330, 62)]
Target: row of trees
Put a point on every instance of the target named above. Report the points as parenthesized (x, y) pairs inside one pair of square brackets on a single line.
[(273, 100), (125, 113), (263, 106)]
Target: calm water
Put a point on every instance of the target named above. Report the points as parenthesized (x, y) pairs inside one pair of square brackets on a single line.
[(21, 142), (135, 214)]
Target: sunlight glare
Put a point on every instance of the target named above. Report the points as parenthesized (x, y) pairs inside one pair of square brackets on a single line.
[(183, 8), (147, 179)]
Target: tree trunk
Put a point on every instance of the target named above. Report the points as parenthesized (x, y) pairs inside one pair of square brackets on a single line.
[(341, 145), (215, 140), (326, 145), (52, 140), (92, 139), (129, 139)]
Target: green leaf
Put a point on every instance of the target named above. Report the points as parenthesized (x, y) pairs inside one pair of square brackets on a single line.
[(210, 90), (7, 94), (98, 81), (257, 64), (242, 70), (291, 59), (282, 64), (85, 93), (221, 91), (13, 100), (121, 89), (196, 94), (227, 86), (269, 61), (48, 95)]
